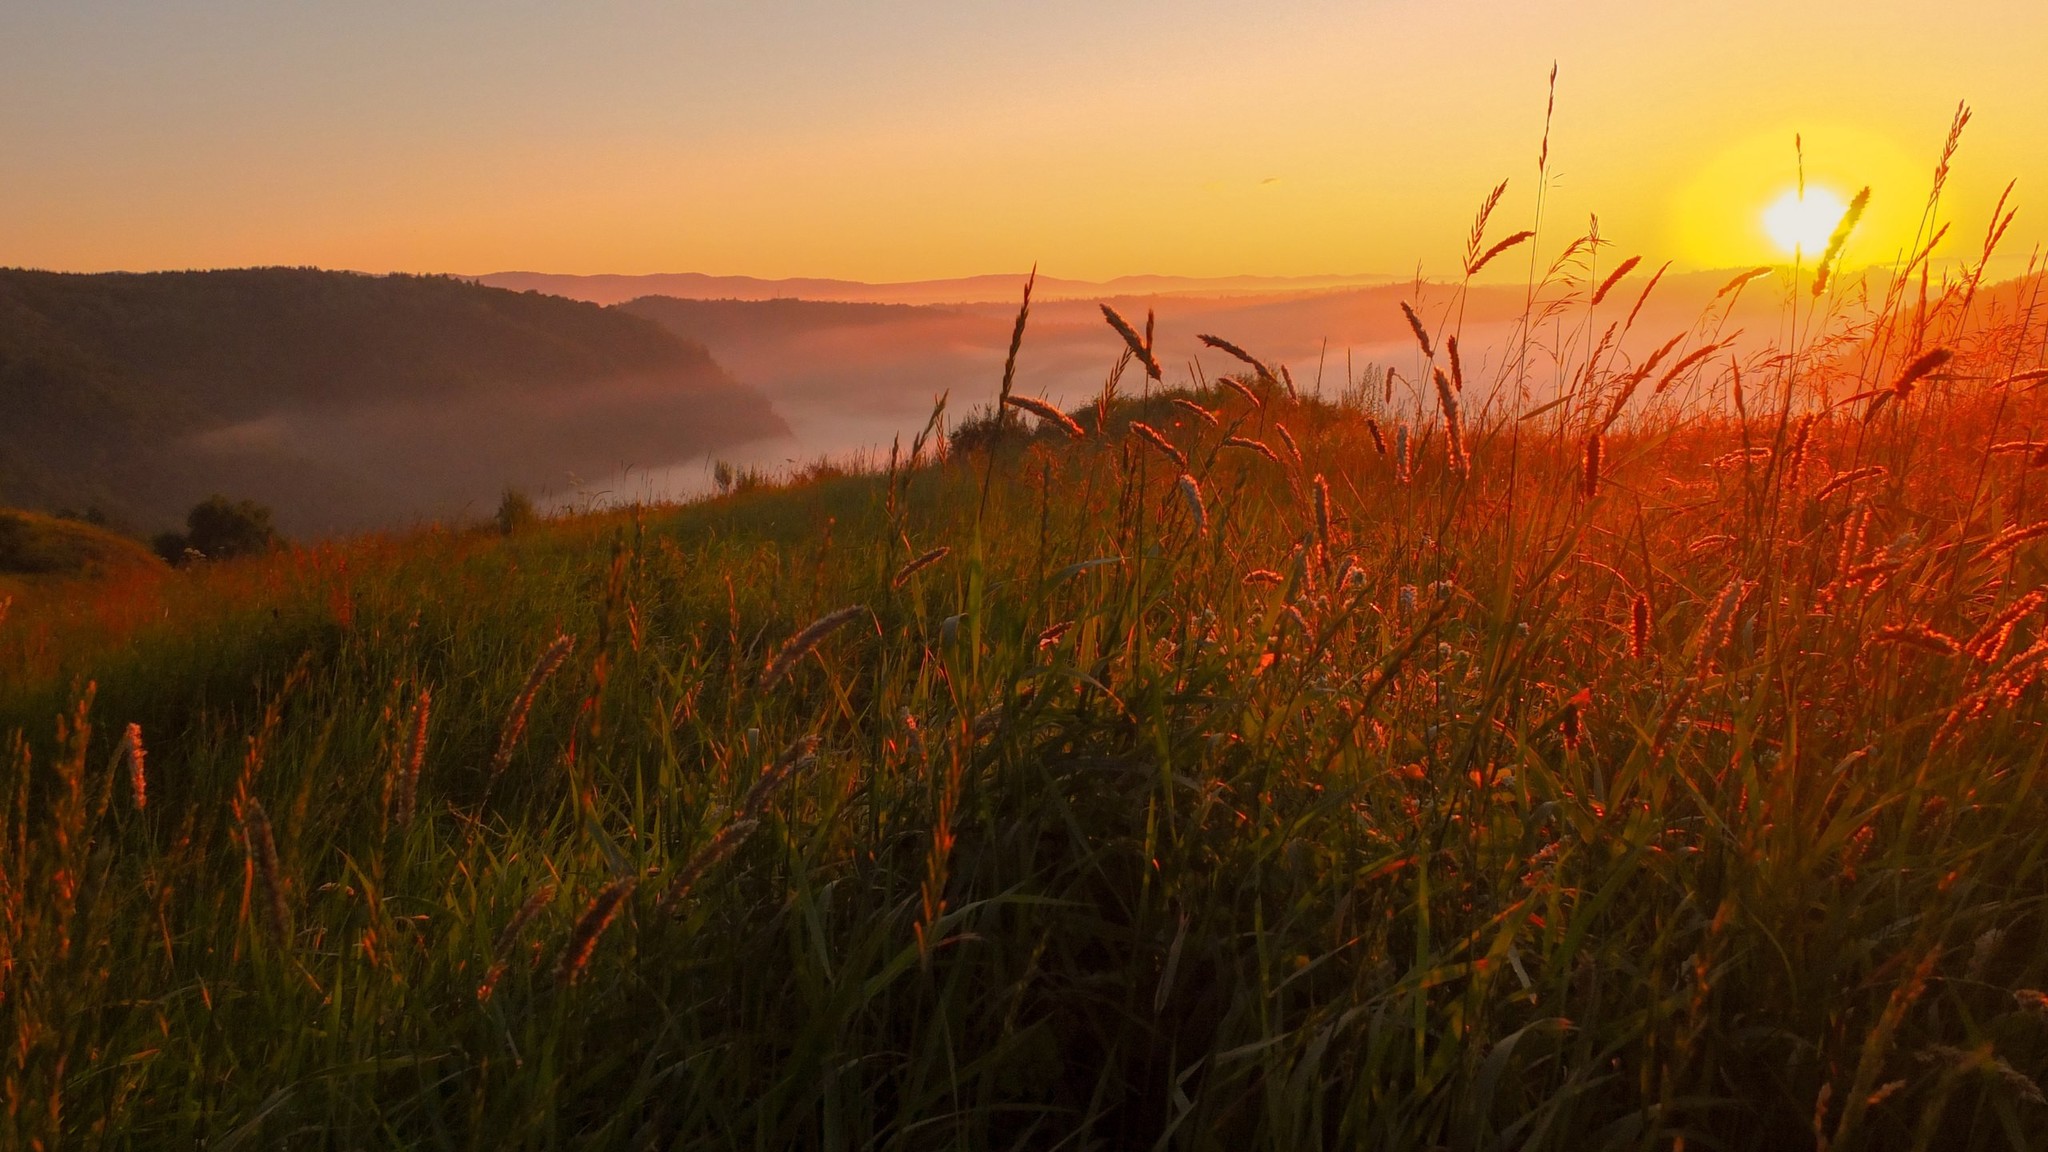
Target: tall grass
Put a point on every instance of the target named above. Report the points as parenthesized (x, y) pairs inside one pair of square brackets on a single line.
[(1639, 768)]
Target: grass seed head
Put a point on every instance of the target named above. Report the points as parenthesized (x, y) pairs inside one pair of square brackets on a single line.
[(522, 704), (1191, 495), (590, 928), (415, 758), (917, 565), (1140, 346), (1454, 432), (1923, 364), (1421, 333), (1048, 412), (1158, 441), (1251, 445), (134, 753), (1265, 374), (262, 847), (801, 644), (1620, 270)]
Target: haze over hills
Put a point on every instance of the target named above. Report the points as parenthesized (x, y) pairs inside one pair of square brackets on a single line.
[(990, 289), (850, 375), (344, 401), (350, 401)]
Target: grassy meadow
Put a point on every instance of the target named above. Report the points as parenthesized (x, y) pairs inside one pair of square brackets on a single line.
[(1654, 761)]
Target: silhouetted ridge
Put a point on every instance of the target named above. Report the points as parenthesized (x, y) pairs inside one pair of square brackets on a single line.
[(344, 400)]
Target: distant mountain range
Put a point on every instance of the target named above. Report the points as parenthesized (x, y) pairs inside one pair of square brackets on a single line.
[(344, 401), (994, 289)]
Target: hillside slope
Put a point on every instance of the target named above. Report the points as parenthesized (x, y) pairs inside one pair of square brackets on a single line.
[(32, 545), (346, 401)]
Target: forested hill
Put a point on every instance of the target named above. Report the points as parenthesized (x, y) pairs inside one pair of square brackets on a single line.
[(343, 400)]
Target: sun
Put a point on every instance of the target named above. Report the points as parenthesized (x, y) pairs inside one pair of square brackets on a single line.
[(1804, 223), (1741, 206)]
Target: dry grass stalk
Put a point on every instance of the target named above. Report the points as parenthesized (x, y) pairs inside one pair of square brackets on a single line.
[(1322, 497), (1199, 412), (1738, 458), (501, 948), (1709, 543), (1477, 235), (1016, 343), (1051, 637), (415, 758), (1841, 236), (1379, 440), (1918, 636), (1287, 441), (1853, 531), (1589, 477), (1645, 295), (1743, 280), (1991, 639), (1421, 333), (1191, 494), (1262, 576), (1457, 362), (727, 840), (590, 928), (2031, 376), (1454, 431), (1690, 359), (917, 565), (1141, 347), (1846, 479), (2012, 538), (1242, 389), (1925, 363), (801, 644), (1049, 413), (796, 756), (262, 848), (1639, 627), (134, 753), (1660, 740), (1158, 440), (1720, 622), (522, 704), (1571, 722), (1227, 348), (1499, 247), (1620, 270), (1795, 458), (1251, 445)]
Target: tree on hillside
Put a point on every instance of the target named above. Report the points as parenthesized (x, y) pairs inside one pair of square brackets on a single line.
[(218, 528)]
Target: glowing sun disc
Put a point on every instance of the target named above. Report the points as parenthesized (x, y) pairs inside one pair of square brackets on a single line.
[(1804, 225)]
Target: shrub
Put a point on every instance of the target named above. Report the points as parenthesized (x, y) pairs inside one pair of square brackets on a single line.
[(515, 512)]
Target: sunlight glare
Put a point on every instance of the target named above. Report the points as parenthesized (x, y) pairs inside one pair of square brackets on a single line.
[(1804, 225)]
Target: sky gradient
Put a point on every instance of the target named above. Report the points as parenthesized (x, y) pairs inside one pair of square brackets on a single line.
[(922, 139)]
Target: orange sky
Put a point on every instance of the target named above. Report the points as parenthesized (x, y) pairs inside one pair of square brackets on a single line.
[(904, 139)]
